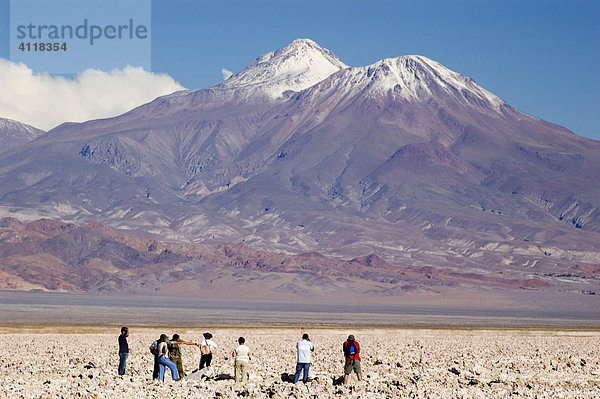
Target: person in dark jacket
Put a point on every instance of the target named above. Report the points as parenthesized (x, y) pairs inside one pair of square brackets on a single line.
[(154, 351), (123, 349)]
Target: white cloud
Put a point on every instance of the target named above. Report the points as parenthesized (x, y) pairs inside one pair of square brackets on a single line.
[(226, 73), (45, 101)]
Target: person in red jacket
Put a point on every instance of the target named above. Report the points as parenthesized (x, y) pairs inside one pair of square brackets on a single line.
[(352, 357)]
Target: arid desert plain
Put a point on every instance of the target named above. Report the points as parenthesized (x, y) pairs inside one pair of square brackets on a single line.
[(71, 362)]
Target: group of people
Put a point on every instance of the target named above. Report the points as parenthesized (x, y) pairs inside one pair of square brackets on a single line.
[(167, 354)]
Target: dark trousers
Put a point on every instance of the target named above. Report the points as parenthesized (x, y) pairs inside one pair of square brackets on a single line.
[(122, 362), (156, 368), (205, 361)]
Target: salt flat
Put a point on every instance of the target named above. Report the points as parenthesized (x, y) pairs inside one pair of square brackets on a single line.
[(63, 361), (39, 309)]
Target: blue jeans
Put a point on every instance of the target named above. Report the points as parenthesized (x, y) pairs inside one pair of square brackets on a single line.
[(164, 361), (122, 362), (300, 367)]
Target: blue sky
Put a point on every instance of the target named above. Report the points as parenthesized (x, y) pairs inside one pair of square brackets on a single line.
[(542, 57)]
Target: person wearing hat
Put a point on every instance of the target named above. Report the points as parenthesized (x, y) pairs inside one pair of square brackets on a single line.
[(352, 358), (304, 348), (207, 347)]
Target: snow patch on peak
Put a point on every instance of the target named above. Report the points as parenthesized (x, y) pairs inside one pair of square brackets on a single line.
[(13, 133), (412, 78), (299, 65), (10, 126), (415, 77)]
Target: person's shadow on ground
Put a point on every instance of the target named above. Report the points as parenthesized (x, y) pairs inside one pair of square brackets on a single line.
[(286, 377), (338, 381)]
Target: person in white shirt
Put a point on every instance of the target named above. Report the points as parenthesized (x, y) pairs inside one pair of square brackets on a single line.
[(163, 360), (207, 348), (304, 347), (241, 354)]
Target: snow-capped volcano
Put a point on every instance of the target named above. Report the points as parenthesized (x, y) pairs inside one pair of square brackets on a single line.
[(315, 72), (295, 67), (13, 133), (272, 77), (419, 78), (410, 78)]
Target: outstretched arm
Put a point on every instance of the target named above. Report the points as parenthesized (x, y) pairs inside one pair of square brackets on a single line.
[(186, 343)]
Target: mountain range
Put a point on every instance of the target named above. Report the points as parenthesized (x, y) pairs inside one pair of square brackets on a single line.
[(299, 153)]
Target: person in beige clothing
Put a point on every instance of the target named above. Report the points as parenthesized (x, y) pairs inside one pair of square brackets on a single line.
[(241, 354)]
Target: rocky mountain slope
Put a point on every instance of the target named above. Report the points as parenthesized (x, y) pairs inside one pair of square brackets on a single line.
[(300, 153), (50, 255)]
